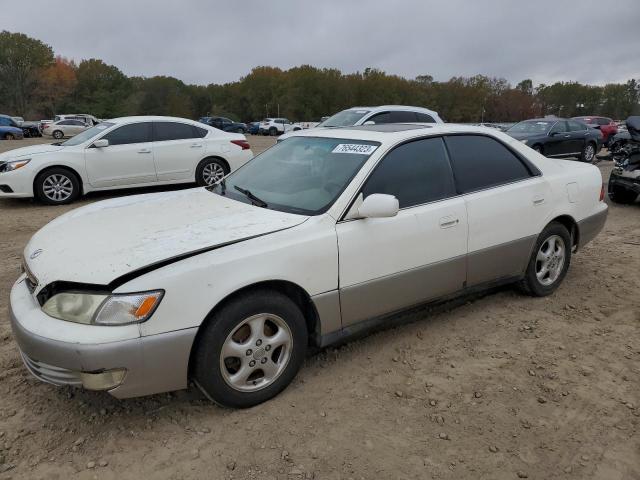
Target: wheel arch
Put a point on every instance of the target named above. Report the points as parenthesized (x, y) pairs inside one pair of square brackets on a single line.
[(64, 167), (571, 225), (291, 290), (215, 157)]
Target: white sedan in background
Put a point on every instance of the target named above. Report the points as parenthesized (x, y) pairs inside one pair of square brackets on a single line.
[(64, 128), (316, 239), (122, 153)]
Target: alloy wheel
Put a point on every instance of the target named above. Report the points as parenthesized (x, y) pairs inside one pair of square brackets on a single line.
[(550, 260), (256, 352), (57, 187), (212, 173), (589, 153)]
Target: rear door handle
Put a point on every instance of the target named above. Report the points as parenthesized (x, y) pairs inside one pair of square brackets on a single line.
[(144, 150), (196, 145), (448, 221), (538, 200)]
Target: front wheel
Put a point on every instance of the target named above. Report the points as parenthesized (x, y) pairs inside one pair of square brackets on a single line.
[(210, 171), (57, 186), (549, 261), (588, 153), (273, 131), (9, 136), (251, 349)]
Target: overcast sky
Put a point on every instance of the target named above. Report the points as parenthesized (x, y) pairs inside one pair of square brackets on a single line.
[(209, 41)]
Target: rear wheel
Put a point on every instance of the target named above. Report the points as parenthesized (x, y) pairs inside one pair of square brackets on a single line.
[(210, 171), (621, 195), (588, 153), (57, 186), (57, 134), (549, 261), (251, 349)]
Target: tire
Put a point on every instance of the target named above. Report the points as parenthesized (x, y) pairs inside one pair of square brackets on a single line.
[(273, 131), (9, 136), (622, 195), (537, 282), (235, 329), (57, 134), (210, 171), (57, 186), (588, 153)]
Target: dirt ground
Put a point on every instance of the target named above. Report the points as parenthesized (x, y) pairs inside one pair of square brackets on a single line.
[(501, 387)]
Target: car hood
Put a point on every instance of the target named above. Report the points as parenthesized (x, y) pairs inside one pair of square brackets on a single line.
[(28, 151), (101, 242)]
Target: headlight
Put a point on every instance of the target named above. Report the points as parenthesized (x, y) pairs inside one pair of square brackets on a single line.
[(103, 309), (524, 141), (13, 165)]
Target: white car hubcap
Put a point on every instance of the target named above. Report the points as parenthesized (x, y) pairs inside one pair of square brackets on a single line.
[(57, 187), (256, 352), (550, 260)]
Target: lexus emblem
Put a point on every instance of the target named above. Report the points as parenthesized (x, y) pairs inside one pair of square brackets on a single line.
[(35, 253)]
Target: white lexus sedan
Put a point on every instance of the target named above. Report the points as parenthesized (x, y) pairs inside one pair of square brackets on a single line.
[(318, 238), (122, 153)]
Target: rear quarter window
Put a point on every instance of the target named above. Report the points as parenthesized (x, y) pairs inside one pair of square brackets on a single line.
[(481, 162)]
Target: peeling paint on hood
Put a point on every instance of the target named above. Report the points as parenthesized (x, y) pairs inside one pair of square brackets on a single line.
[(103, 241)]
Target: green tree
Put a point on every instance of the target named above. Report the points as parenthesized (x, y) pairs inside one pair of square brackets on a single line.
[(102, 89), (21, 59)]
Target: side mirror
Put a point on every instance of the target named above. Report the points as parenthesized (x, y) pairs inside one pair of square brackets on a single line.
[(379, 205), (369, 122), (103, 142)]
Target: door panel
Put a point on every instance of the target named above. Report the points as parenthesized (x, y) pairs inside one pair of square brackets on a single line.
[(128, 160), (177, 151), (387, 264), (504, 223), (560, 143)]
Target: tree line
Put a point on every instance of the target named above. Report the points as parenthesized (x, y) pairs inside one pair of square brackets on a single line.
[(35, 84)]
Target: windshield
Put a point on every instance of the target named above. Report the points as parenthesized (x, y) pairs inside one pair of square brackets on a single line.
[(302, 175), (532, 126), (345, 118), (87, 134)]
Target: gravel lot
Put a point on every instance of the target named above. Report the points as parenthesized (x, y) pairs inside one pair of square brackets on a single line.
[(502, 386)]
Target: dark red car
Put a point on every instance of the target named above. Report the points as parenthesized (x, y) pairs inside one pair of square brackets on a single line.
[(607, 126)]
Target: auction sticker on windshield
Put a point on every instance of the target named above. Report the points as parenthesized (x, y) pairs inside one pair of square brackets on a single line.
[(355, 148)]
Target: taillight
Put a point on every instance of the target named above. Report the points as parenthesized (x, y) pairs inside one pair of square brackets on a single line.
[(241, 143), (602, 193)]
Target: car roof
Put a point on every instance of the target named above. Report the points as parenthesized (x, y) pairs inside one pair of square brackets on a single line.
[(408, 108), (150, 118), (395, 132)]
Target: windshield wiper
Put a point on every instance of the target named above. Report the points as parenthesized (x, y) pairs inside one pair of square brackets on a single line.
[(255, 200)]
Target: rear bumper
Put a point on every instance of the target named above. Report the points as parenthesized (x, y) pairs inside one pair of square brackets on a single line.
[(590, 227), (153, 364)]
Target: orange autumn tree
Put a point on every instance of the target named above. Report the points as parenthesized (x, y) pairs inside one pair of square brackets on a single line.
[(56, 83)]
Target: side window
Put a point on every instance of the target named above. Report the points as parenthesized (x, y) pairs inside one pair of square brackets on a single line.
[(576, 126), (415, 173), (424, 118), (132, 133), (480, 162), (379, 118), (201, 132), (5, 122), (77, 123), (403, 117), (603, 121), (172, 131), (560, 127)]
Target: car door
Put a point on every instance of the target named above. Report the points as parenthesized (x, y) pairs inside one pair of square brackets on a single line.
[(559, 141), (178, 147), (579, 133), (387, 264), (128, 160), (75, 127), (507, 203)]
